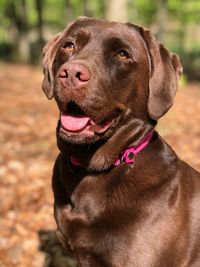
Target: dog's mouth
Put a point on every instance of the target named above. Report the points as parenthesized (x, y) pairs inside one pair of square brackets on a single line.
[(75, 121)]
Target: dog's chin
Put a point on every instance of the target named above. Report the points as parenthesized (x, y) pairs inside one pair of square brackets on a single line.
[(91, 133), (85, 136), (77, 138)]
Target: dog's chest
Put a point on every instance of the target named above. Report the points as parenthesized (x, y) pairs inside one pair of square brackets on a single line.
[(118, 222), (106, 193), (89, 197)]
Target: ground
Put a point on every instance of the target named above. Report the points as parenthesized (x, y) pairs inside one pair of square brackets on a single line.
[(28, 150)]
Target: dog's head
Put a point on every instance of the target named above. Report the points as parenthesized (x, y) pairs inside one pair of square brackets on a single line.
[(105, 74)]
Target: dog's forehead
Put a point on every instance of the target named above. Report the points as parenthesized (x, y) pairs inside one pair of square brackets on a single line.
[(100, 30)]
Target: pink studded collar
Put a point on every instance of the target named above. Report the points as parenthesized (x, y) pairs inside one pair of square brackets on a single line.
[(127, 156)]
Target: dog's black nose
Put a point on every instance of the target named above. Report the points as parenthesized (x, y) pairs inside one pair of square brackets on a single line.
[(74, 75)]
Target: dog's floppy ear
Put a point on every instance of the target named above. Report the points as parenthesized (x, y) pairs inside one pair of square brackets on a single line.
[(165, 69), (49, 53)]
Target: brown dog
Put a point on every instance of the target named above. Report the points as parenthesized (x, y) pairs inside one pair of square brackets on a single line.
[(122, 196)]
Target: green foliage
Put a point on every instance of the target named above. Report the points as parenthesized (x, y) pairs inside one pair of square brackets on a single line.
[(55, 13), (142, 11), (180, 29), (186, 11)]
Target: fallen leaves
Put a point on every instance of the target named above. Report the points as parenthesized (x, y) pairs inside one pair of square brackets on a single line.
[(28, 150)]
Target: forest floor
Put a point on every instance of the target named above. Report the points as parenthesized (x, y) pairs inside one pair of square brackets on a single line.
[(28, 150)]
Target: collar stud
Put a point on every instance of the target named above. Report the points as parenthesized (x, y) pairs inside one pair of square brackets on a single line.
[(131, 155)]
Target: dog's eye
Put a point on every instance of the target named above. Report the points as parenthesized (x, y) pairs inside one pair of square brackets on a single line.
[(69, 47), (122, 54)]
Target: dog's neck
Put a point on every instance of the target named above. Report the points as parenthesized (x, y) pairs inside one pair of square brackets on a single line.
[(103, 154), (127, 156)]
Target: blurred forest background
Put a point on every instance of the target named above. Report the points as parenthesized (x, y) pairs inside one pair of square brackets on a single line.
[(28, 119), (27, 24)]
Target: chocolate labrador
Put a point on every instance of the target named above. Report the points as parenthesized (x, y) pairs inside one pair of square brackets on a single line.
[(123, 198)]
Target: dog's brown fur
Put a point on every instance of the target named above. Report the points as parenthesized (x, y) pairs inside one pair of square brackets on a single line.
[(145, 214)]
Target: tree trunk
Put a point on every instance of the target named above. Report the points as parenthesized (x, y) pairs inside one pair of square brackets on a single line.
[(69, 11), (23, 42), (18, 13), (86, 9), (117, 10), (39, 7), (162, 19), (102, 8)]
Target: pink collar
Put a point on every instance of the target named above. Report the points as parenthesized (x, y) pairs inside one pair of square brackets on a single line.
[(127, 156)]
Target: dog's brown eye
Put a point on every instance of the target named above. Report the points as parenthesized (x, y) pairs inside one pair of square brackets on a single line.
[(69, 47), (123, 54)]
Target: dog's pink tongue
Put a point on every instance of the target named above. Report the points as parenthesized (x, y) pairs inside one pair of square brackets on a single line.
[(73, 123)]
